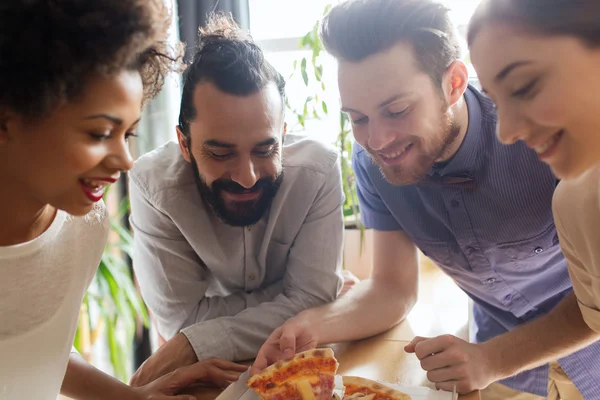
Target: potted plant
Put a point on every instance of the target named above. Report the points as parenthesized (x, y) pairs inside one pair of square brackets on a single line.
[(112, 307), (357, 243)]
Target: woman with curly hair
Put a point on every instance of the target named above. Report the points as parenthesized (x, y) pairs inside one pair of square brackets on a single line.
[(73, 78)]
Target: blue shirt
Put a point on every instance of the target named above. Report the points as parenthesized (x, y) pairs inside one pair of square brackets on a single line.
[(498, 243)]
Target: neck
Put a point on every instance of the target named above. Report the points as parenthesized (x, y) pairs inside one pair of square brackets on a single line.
[(460, 112), (23, 218)]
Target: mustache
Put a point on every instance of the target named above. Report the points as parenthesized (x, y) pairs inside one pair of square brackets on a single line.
[(234, 187)]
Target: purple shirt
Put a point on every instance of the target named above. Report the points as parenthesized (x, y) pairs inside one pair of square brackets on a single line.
[(498, 243)]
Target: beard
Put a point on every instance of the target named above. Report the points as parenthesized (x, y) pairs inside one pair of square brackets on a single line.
[(425, 159), (237, 213)]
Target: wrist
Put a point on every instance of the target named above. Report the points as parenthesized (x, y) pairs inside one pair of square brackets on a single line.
[(497, 364), (306, 321)]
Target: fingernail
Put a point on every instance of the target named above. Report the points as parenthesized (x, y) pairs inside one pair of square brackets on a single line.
[(288, 353)]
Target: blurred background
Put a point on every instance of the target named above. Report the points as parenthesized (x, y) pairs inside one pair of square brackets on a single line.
[(115, 331)]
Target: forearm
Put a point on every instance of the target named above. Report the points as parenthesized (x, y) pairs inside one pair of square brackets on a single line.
[(555, 335), (371, 307), (84, 382), (240, 337)]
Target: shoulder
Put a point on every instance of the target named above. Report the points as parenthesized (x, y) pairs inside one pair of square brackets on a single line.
[(576, 202), (161, 169), (303, 153)]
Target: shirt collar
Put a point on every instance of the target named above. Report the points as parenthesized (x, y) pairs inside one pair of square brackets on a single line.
[(467, 158)]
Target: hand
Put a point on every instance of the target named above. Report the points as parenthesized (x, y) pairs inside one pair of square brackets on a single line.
[(175, 353), (213, 371), (350, 280), (285, 341), (451, 361)]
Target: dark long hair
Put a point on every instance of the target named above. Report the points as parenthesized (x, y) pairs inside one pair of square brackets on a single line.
[(578, 18)]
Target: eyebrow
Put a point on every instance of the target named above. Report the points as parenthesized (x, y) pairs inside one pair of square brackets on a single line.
[(384, 103), (217, 143), (111, 118), (508, 69)]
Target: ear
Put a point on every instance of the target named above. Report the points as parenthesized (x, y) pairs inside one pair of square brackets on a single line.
[(183, 144), (284, 132), (455, 82)]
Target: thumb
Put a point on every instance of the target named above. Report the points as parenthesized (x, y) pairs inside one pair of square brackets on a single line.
[(410, 348), (259, 364)]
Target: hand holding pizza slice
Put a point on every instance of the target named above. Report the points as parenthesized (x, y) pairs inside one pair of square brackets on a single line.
[(310, 375)]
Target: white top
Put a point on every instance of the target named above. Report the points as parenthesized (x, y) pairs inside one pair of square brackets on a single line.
[(42, 284), (229, 287)]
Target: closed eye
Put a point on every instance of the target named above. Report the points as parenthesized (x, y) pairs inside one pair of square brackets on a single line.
[(397, 114), (359, 121), (525, 90)]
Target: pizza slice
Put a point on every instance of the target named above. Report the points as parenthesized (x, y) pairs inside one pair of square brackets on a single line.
[(366, 389), (310, 375)]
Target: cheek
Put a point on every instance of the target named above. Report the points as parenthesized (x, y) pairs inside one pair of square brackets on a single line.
[(552, 107)]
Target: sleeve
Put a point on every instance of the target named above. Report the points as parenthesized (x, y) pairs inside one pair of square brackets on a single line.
[(172, 278), (373, 211), (586, 283), (312, 278)]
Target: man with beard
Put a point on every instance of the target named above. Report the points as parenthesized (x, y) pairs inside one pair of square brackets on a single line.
[(235, 232), (432, 176)]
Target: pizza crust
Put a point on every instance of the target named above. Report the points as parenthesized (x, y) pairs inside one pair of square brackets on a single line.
[(373, 386), (282, 364)]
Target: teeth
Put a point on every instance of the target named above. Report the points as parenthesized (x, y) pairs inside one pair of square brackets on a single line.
[(96, 185), (395, 154), (542, 148)]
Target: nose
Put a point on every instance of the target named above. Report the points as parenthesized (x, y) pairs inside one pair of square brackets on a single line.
[(245, 173), (511, 126), (380, 135), (120, 156)]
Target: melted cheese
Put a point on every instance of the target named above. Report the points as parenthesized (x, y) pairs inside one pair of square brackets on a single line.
[(305, 389)]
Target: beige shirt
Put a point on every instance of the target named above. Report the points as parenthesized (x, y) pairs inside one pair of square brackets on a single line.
[(227, 288), (577, 215)]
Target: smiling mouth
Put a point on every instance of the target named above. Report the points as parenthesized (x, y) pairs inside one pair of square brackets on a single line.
[(390, 156), (549, 144)]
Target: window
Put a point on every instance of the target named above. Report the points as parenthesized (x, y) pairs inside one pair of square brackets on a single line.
[(278, 27)]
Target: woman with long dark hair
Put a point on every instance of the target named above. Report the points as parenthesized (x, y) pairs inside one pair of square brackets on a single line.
[(539, 60)]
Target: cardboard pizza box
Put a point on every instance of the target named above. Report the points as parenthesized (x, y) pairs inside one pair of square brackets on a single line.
[(240, 391)]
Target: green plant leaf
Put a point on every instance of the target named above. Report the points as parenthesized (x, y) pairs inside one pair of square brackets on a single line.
[(318, 72), (324, 106), (303, 71)]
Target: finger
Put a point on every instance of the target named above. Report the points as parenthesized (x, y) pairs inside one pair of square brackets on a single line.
[(449, 386), (410, 348), (442, 375), (259, 364), (434, 345), (444, 359), (287, 343), (228, 365), (219, 378), (181, 397)]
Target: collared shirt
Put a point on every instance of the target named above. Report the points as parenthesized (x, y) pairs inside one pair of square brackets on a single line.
[(229, 287), (498, 243)]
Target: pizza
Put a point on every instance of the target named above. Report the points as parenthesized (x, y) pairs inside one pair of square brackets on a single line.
[(366, 389), (310, 375)]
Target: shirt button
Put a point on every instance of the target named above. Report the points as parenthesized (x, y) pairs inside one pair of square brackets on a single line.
[(538, 250), (490, 281), (251, 277), (455, 203), (470, 250), (507, 298)]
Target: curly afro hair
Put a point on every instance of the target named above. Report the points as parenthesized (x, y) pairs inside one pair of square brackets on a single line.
[(50, 48)]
